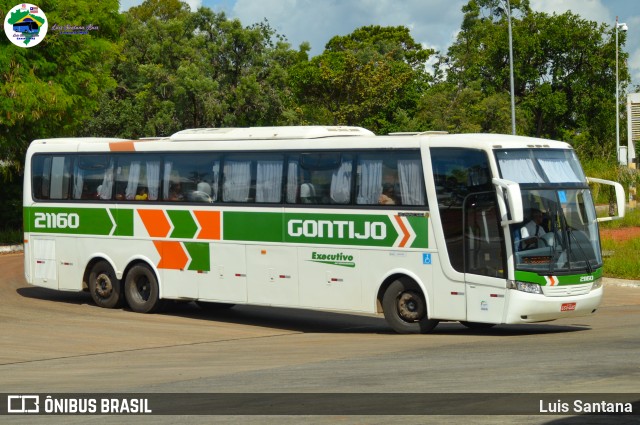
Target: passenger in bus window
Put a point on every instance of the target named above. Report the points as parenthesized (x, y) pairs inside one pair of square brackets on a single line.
[(175, 192), (142, 194), (388, 196)]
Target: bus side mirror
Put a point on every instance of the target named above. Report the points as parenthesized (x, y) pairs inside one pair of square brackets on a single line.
[(509, 201), (620, 197)]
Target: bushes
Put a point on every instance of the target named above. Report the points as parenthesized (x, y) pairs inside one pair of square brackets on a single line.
[(11, 209)]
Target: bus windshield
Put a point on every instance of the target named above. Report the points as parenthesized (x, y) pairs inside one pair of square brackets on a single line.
[(560, 232)]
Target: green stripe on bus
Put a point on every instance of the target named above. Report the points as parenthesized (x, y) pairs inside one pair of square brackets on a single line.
[(184, 225), (252, 226), (316, 228), (376, 230), (124, 222), (199, 253), (26, 221), (77, 221), (572, 279), (420, 226)]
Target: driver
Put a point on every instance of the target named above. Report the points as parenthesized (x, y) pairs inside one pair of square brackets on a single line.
[(533, 230)]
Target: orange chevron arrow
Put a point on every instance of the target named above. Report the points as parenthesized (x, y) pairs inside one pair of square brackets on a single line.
[(155, 222), (172, 255), (407, 235), (210, 224)]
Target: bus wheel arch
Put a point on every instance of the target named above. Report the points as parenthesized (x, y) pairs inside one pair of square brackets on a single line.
[(103, 284), (141, 288), (405, 306)]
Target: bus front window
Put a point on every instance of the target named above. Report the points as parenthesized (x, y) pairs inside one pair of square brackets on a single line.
[(559, 234)]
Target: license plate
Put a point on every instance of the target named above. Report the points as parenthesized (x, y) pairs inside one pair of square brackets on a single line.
[(568, 307)]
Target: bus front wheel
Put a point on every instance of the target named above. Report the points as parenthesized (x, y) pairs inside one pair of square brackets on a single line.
[(104, 286), (405, 308), (141, 289)]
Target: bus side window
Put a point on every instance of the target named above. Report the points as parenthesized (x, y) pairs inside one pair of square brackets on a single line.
[(321, 178), (236, 180), (41, 180), (190, 177), (340, 189), (269, 172), (390, 178), (92, 177), (57, 177)]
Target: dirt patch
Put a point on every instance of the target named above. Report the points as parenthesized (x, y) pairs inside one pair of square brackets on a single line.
[(621, 235)]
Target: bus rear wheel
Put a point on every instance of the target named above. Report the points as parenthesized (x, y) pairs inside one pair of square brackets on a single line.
[(405, 308), (104, 286), (141, 289)]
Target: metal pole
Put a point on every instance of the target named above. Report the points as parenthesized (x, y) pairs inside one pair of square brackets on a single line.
[(617, 102), (513, 101)]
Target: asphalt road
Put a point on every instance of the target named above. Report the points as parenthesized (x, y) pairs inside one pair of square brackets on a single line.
[(60, 342)]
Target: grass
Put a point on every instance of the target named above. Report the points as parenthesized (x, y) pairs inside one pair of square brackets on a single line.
[(624, 262)]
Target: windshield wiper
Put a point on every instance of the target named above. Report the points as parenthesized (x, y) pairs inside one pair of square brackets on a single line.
[(584, 255), (556, 242), (569, 232)]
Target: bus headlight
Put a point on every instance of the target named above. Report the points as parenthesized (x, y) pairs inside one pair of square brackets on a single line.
[(596, 284), (528, 287)]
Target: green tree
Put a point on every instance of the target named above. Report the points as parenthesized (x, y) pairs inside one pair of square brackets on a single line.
[(458, 109), (564, 69), (47, 90), (182, 69), (372, 77)]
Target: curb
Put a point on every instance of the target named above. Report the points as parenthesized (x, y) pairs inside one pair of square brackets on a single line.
[(5, 249), (621, 282)]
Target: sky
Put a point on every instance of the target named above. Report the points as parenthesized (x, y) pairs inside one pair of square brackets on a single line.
[(433, 23)]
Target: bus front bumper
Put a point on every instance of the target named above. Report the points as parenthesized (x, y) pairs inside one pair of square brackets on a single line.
[(529, 308)]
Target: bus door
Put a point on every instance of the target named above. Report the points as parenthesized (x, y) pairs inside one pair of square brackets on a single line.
[(45, 270), (55, 260), (474, 237), (484, 258)]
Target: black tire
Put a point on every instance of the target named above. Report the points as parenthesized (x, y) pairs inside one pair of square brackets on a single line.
[(405, 308), (213, 306), (141, 289), (104, 286), (477, 325)]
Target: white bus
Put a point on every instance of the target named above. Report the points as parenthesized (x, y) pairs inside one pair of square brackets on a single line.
[(482, 229)]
